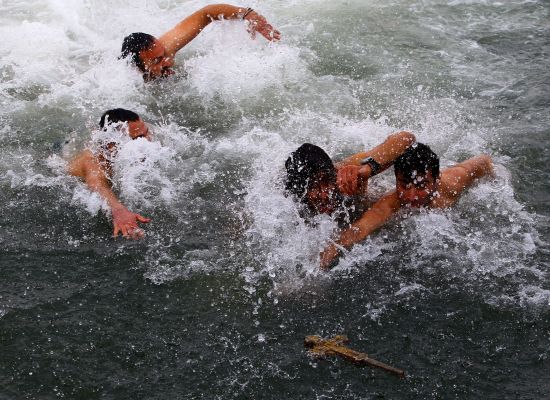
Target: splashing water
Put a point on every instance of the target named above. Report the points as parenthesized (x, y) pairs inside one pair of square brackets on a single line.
[(225, 283)]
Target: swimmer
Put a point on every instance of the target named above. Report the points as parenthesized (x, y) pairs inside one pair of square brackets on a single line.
[(339, 190), (155, 57), (419, 184), (95, 169)]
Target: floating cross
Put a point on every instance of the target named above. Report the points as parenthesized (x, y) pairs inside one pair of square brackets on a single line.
[(336, 347)]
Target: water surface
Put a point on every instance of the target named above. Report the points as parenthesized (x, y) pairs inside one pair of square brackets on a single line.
[(216, 300)]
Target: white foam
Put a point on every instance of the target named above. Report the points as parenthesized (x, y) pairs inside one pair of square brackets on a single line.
[(291, 248), (62, 55), (535, 296), (232, 66), (140, 172), (47, 42)]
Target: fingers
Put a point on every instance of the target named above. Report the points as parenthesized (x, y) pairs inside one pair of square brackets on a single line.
[(275, 35), (328, 258), (131, 232), (127, 225), (347, 181), (265, 29), (136, 233), (143, 219), (270, 33)]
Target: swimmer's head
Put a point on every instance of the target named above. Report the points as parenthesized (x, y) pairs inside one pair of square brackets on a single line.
[(417, 175), (311, 178), (125, 118), (115, 116), (148, 54), (120, 120)]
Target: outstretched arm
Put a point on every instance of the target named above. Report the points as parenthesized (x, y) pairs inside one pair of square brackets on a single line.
[(385, 153), (352, 175), (463, 175), (190, 27), (87, 167), (371, 220)]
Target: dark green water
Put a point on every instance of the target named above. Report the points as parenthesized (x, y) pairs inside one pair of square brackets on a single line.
[(216, 300)]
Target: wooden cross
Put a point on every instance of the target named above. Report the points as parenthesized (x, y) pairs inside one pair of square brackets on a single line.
[(336, 347)]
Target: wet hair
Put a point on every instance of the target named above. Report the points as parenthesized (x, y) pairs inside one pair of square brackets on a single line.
[(418, 160), (133, 44), (117, 115), (307, 165)]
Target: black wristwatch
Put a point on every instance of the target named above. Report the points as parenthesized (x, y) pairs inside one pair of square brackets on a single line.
[(372, 163)]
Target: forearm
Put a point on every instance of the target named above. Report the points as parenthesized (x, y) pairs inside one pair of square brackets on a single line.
[(384, 154), (101, 186), (87, 167), (393, 147), (363, 228), (224, 11), (371, 221), (190, 27)]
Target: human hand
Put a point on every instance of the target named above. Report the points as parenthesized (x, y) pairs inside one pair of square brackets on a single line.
[(257, 23), (328, 257), (125, 222), (350, 180)]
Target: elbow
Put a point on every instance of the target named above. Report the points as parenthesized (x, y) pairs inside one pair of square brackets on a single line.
[(209, 11), (215, 10), (407, 137)]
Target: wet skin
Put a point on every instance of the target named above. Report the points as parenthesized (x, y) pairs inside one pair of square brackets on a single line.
[(95, 171), (427, 192), (139, 129), (157, 64), (158, 59), (419, 193), (136, 129), (323, 196)]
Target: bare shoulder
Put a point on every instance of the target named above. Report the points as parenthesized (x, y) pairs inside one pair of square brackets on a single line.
[(472, 168), (81, 163), (457, 178)]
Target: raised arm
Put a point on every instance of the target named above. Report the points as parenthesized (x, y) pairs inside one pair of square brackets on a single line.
[(371, 220), (88, 168), (190, 27), (385, 153), (460, 176), (352, 174)]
